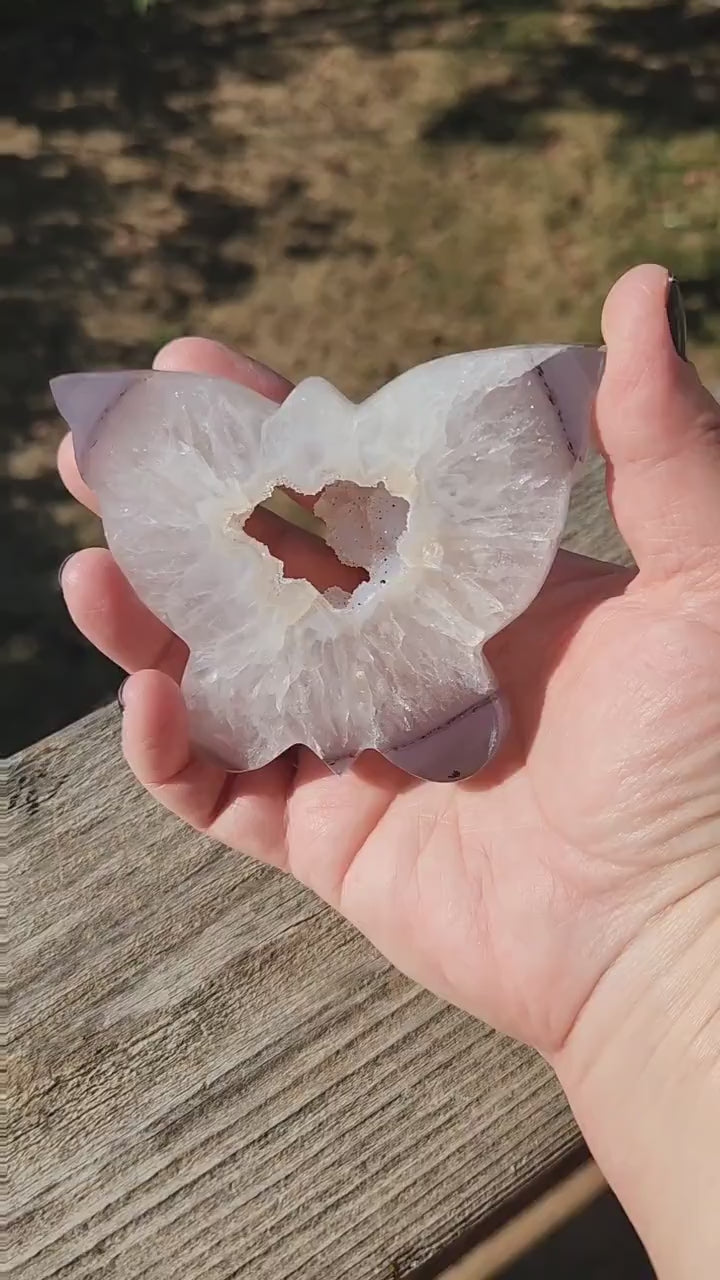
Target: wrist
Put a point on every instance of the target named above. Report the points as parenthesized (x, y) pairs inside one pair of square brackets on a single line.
[(641, 1069)]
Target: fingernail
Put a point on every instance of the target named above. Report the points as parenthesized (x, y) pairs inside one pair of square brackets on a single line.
[(120, 695), (63, 567), (675, 308)]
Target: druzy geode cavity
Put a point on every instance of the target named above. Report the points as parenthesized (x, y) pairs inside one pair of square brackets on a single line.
[(450, 486)]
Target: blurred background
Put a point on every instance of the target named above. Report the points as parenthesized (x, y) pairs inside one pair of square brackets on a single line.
[(346, 188)]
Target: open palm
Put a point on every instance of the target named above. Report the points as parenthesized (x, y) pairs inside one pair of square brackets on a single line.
[(513, 893)]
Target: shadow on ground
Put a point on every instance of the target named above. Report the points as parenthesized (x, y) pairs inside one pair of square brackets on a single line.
[(74, 70), (658, 64)]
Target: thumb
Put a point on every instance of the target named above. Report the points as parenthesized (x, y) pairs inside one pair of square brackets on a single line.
[(659, 430)]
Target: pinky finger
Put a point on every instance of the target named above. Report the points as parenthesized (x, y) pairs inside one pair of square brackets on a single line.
[(157, 747)]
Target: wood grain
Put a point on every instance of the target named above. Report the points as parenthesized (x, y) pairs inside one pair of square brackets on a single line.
[(590, 528), (212, 1076)]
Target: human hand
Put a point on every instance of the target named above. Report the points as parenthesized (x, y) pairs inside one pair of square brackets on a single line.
[(570, 894), (513, 894)]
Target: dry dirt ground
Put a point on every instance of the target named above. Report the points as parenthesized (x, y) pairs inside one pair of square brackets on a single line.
[(346, 188)]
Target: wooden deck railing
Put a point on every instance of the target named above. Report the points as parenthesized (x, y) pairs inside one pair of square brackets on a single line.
[(211, 1075)]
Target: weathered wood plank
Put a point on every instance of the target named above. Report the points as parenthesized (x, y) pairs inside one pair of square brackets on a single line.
[(212, 1076), (591, 529)]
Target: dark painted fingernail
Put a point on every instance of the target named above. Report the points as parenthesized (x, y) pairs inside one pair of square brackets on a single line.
[(675, 308), (120, 695), (63, 567)]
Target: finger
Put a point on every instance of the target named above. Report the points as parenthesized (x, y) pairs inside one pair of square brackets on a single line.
[(71, 478), (104, 607), (245, 811), (203, 355), (660, 432)]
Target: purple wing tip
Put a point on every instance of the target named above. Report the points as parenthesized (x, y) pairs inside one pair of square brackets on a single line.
[(454, 751), (572, 377), (83, 400)]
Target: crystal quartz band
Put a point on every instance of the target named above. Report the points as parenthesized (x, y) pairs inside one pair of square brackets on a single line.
[(449, 486)]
